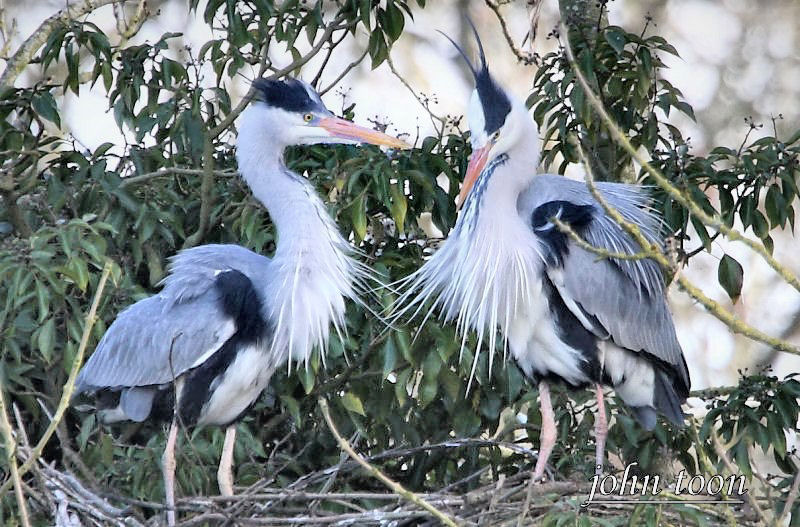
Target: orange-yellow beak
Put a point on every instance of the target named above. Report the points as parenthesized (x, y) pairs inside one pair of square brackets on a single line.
[(476, 163), (347, 130)]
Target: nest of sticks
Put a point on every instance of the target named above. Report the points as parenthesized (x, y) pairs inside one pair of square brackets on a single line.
[(339, 495)]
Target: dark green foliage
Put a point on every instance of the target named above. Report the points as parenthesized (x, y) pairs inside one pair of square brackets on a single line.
[(139, 204)]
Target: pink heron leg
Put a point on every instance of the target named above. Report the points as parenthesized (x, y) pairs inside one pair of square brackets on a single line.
[(548, 437), (168, 467), (600, 430), (225, 470)]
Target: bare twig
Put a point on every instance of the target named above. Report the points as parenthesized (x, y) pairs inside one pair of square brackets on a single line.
[(525, 58), (69, 386), (710, 393), (723, 455), (374, 472), (425, 105), (167, 171), (11, 456), (228, 120), (790, 499), (344, 72)]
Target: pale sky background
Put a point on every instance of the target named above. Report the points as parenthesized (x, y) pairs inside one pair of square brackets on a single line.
[(738, 58)]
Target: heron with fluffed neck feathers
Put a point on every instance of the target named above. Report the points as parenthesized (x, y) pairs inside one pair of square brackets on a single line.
[(509, 273), (202, 350)]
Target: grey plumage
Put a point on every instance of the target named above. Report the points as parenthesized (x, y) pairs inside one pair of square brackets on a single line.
[(626, 296), (563, 312), (157, 339), (226, 317)]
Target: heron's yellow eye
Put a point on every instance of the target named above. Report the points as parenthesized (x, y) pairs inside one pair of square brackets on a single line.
[(496, 136), (308, 117)]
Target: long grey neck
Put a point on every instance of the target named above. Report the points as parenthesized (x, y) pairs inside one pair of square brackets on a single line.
[(300, 218)]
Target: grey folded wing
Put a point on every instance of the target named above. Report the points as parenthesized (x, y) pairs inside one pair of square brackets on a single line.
[(156, 340), (620, 299)]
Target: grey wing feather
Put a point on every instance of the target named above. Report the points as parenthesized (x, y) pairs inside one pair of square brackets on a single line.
[(157, 339), (136, 402), (627, 297), (192, 271)]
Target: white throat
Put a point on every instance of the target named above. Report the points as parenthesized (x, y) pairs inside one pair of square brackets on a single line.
[(481, 275)]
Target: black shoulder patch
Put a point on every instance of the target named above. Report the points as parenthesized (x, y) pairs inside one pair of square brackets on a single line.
[(576, 216), (240, 301), (494, 101), (287, 94)]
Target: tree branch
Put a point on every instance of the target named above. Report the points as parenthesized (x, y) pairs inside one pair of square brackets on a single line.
[(143, 178), (525, 58), (712, 221), (23, 56), (11, 455), (206, 196), (228, 120)]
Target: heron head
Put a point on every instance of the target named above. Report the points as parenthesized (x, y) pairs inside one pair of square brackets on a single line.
[(292, 113), (498, 121)]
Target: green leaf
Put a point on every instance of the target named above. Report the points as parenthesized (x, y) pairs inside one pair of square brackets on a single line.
[(616, 39), (393, 22), (428, 389), (306, 376), (43, 300), (400, 386), (403, 343), (358, 216), (293, 407), (777, 437), (45, 105), (760, 225), (353, 403), (775, 206), (46, 339), (79, 272), (731, 277), (451, 383), (399, 207)]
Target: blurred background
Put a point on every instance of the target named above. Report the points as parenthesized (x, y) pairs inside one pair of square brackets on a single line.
[(738, 59)]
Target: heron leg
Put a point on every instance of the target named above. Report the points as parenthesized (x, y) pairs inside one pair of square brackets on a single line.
[(168, 467), (600, 430), (225, 470), (548, 436)]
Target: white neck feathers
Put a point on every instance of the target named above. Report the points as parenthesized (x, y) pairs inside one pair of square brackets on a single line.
[(312, 271)]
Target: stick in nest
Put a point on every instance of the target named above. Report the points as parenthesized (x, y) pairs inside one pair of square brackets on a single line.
[(373, 471)]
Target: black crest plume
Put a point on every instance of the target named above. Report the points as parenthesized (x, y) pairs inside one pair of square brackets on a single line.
[(495, 103), (287, 94)]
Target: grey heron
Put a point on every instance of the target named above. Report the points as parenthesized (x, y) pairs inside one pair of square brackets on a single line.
[(207, 344), (507, 271)]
